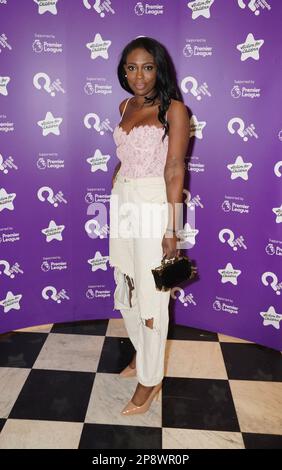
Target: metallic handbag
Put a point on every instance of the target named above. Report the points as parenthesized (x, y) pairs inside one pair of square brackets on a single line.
[(172, 272)]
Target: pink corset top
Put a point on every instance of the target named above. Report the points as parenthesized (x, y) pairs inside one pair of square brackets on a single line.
[(141, 151)]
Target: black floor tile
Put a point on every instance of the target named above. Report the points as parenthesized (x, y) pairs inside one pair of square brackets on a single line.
[(181, 332), (202, 404), (116, 355), (198, 404), (252, 362), (54, 395), (92, 327), (102, 436), (2, 423), (20, 349), (262, 441)]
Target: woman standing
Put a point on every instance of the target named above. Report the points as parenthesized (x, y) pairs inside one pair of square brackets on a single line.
[(152, 140)]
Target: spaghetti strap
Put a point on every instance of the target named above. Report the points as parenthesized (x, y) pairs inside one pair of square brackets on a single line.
[(124, 108)]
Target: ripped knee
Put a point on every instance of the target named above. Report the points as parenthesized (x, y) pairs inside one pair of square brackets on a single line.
[(149, 323), (130, 283)]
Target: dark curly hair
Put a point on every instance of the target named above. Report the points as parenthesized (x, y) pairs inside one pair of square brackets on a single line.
[(166, 81)]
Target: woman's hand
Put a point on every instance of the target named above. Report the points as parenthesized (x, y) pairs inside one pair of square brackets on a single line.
[(169, 245)]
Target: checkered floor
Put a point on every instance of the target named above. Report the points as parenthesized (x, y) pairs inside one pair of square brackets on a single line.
[(60, 388)]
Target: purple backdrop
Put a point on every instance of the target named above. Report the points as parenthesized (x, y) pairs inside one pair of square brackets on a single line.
[(59, 98)]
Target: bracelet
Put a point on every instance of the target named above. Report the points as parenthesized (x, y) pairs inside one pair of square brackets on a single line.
[(170, 230)]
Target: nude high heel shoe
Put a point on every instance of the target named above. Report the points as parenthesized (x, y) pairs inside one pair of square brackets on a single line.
[(131, 409)]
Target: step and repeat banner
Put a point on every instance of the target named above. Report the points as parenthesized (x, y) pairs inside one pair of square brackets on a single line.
[(59, 99)]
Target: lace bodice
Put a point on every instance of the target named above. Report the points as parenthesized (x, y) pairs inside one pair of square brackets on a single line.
[(141, 151)]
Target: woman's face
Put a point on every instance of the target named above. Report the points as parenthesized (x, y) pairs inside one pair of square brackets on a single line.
[(141, 71)]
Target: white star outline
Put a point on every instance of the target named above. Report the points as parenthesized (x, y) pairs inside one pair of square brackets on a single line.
[(56, 229), (47, 5), (278, 212), (11, 302), (50, 124), (271, 317), (239, 169), (199, 10), (98, 161), (250, 48), (229, 274), (3, 85), (98, 262), (187, 235), (99, 47), (197, 127), (9, 197)]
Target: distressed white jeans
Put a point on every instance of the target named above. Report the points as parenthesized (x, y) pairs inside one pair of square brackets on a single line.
[(138, 220)]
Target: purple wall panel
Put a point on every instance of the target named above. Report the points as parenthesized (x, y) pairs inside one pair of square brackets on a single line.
[(218, 84)]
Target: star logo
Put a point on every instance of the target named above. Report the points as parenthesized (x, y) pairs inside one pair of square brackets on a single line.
[(270, 318), (98, 161), (229, 274), (187, 235), (196, 127), (47, 5), (50, 124), (99, 47), (3, 85), (11, 302), (98, 262), (53, 231), (278, 212), (239, 169), (200, 8), (250, 48), (6, 200)]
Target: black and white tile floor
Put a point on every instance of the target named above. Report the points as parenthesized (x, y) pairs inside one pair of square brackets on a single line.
[(60, 388)]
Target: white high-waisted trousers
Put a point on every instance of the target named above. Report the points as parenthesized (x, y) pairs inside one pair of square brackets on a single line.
[(138, 220)]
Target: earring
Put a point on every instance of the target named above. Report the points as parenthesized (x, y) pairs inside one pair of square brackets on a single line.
[(125, 75)]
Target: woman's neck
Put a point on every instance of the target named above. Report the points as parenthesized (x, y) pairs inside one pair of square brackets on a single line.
[(140, 102)]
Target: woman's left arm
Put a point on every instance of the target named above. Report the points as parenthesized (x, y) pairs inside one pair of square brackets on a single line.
[(174, 172)]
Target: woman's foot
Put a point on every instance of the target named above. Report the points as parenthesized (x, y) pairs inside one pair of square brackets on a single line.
[(141, 394), (141, 391)]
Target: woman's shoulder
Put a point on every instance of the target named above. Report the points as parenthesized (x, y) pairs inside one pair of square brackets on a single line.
[(175, 108), (176, 104), (122, 105)]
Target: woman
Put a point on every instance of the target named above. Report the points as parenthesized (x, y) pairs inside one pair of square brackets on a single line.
[(152, 140)]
